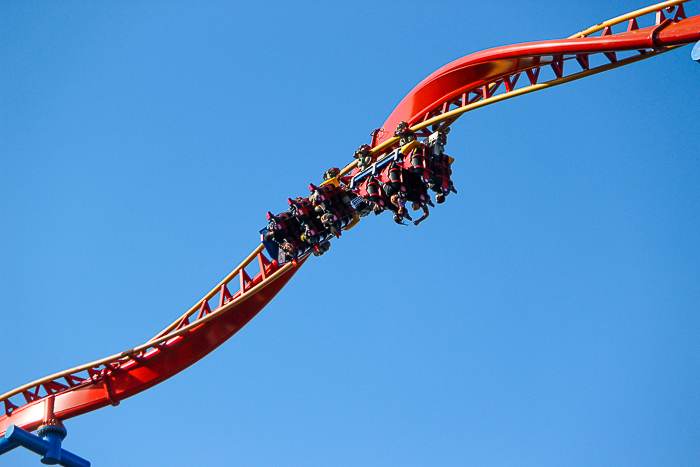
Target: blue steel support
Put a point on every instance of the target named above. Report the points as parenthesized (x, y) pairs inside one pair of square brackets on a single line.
[(54, 434), (49, 448), (6, 445)]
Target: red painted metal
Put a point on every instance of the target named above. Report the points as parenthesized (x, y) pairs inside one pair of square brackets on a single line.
[(480, 69), (129, 376), (460, 83)]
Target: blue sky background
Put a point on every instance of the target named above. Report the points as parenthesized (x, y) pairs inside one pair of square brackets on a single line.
[(545, 316)]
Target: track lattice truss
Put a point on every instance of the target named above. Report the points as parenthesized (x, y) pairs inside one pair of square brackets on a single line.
[(466, 84)]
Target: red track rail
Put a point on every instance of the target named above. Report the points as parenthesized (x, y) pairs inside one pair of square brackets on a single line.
[(78, 392), (480, 75), (437, 99)]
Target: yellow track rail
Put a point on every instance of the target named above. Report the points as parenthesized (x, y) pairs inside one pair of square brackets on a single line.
[(162, 339), (448, 118), (626, 17), (213, 292)]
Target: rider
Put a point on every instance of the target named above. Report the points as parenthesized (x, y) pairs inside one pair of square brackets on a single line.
[(404, 133), (440, 181), (417, 194), (399, 201), (363, 156), (426, 212), (309, 235), (375, 196), (331, 222), (290, 251), (395, 184), (321, 248), (276, 228)]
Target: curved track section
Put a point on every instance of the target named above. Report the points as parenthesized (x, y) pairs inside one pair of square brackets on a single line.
[(471, 82), (208, 324), (501, 73)]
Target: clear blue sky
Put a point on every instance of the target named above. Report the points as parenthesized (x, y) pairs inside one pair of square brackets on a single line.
[(547, 315)]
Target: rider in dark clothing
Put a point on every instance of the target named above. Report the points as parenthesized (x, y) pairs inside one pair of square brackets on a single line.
[(375, 196), (331, 222), (399, 201), (394, 185), (417, 195), (290, 251), (321, 248), (309, 235), (404, 133)]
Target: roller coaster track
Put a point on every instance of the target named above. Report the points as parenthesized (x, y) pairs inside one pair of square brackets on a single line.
[(474, 81), (494, 75)]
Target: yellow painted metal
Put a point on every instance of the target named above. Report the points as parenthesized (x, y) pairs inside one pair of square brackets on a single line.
[(332, 181), (406, 148), (448, 117), (153, 342), (534, 87), (626, 17), (213, 291), (354, 222), (347, 169)]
